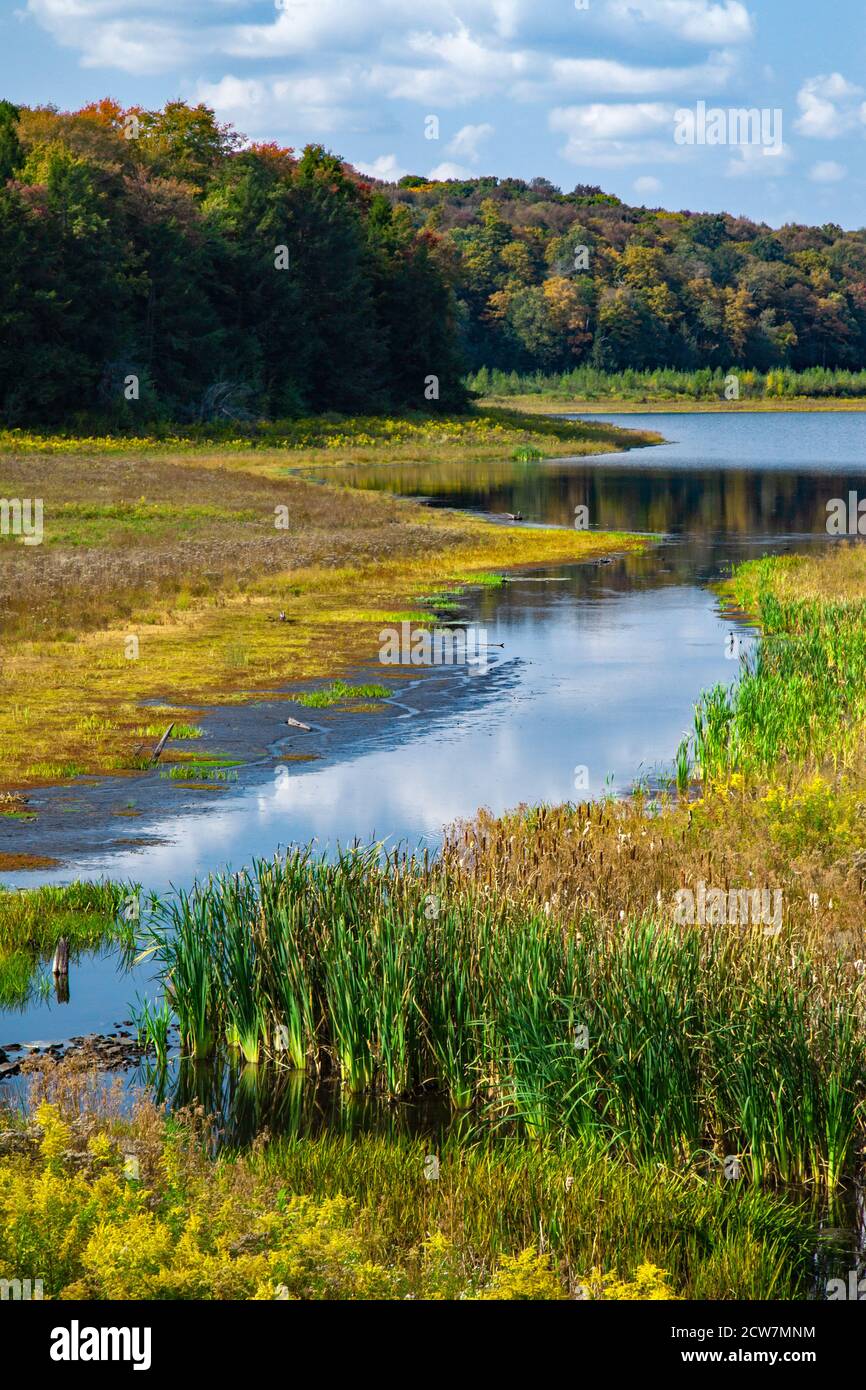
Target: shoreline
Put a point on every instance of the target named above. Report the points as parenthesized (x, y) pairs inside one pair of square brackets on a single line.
[(546, 405)]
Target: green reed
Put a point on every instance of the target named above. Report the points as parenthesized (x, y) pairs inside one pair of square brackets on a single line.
[(658, 1040), (34, 920), (801, 695)]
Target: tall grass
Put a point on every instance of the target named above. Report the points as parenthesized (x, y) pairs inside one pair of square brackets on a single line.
[(658, 1040), (801, 693), (715, 1239)]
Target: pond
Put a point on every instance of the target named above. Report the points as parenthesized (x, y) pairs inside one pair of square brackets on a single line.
[(593, 673)]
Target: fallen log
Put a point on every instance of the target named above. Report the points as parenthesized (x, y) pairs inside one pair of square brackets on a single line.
[(157, 752)]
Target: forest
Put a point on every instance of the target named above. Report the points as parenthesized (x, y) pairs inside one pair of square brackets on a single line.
[(152, 265), (549, 281), (156, 265)]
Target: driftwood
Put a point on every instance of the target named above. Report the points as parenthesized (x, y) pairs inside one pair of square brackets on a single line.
[(60, 964), (157, 752), (296, 724)]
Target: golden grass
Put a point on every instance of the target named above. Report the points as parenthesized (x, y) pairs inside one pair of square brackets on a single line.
[(201, 594)]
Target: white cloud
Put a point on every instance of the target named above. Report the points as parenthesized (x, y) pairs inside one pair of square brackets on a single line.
[(759, 161), (307, 107), (386, 167), (612, 135), (827, 171), (107, 36), (698, 21), (612, 120), (647, 184), (830, 106), (609, 77), (468, 141), (450, 171)]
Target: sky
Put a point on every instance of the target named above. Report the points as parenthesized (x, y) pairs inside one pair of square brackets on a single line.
[(575, 91)]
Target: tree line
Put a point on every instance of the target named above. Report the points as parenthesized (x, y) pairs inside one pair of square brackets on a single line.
[(155, 265)]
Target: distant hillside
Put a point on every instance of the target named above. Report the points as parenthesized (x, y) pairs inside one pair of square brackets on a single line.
[(650, 289)]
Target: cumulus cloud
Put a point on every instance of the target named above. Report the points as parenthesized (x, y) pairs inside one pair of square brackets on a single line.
[(830, 106), (615, 134), (449, 171), (107, 35), (697, 21), (307, 107), (613, 78), (759, 161), (387, 168), (647, 185)]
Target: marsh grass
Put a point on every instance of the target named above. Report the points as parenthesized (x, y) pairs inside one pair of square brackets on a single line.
[(339, 690), (202, 770), (203, 599), (335, 1216), (660, 1041), (586, 1207)]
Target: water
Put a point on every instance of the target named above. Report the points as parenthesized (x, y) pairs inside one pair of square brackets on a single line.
[(593, 688)]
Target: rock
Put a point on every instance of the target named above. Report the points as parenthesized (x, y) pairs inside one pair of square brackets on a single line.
[(13, 1141)]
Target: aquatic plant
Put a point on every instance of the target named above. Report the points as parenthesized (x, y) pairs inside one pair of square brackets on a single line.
[(33, 920), (340, 690)]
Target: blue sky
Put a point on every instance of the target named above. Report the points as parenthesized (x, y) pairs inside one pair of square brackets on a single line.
[(578, 91)]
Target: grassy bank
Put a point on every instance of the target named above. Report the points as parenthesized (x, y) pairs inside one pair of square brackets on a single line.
[(145, 1213), (615, 405), (161, 574), (542, 971)]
